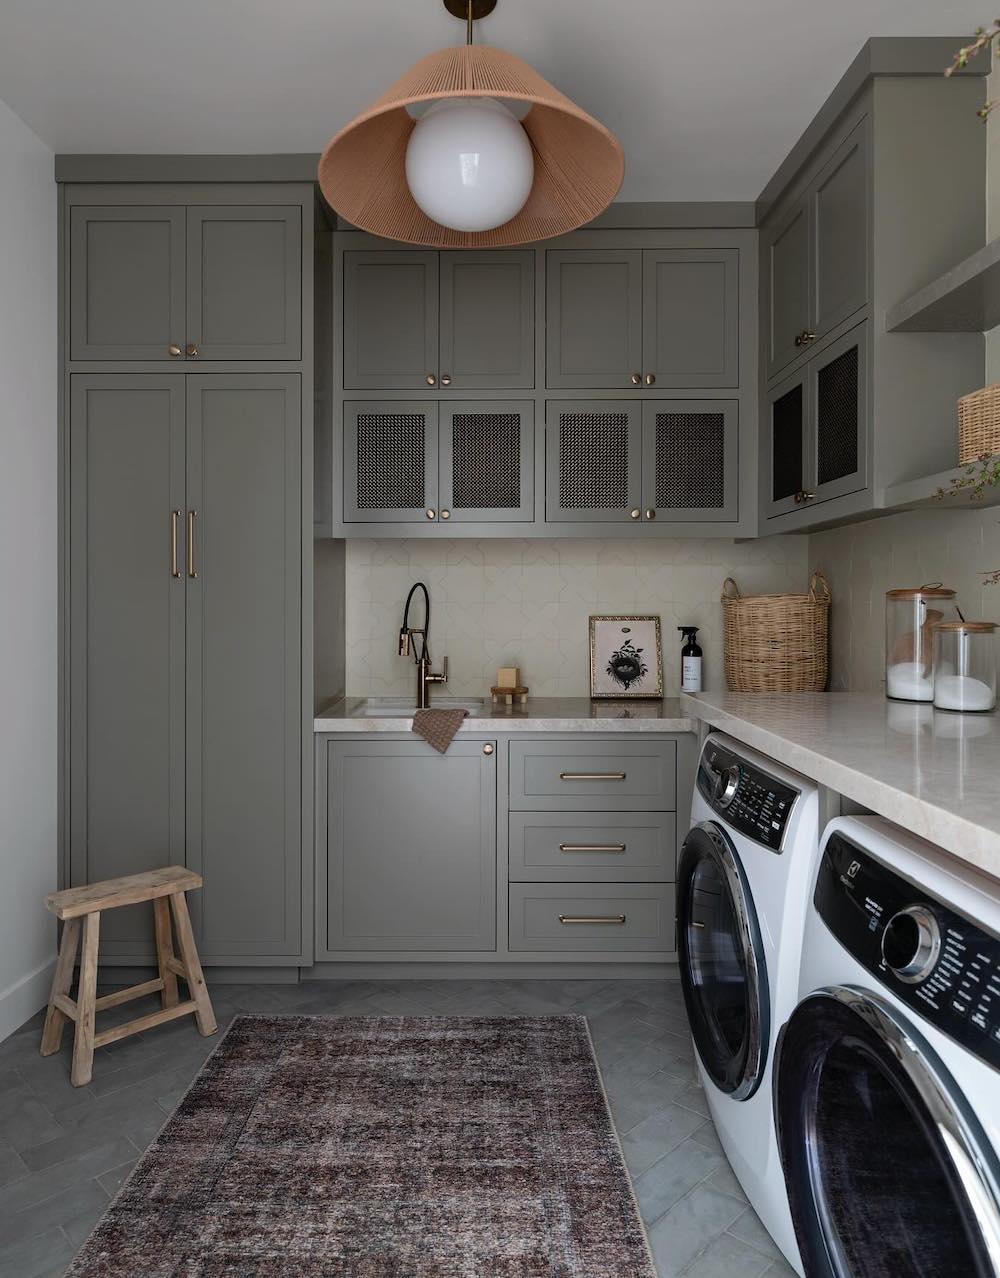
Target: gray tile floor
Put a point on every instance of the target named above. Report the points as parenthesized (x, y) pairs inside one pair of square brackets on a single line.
[(64, 1151)]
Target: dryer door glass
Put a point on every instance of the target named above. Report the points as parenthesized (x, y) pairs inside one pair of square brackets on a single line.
[(889, 1173), (721, 962)]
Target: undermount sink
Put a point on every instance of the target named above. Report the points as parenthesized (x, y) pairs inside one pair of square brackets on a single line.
[(384, 708)]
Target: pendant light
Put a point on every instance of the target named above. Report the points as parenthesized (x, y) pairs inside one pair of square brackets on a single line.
[(468, 173)]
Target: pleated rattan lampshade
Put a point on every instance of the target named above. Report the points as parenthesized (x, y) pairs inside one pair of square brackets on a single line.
[(579, 164)]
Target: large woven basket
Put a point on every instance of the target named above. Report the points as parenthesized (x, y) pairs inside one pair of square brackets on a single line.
[(776, 643), (979, 424)]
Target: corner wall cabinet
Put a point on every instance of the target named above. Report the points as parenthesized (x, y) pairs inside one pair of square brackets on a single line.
[(419, 320), (412, 461), (636, 462), (627, 318), (169, 283)]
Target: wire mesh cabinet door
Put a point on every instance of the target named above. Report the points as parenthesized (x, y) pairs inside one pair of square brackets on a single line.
[(487, 462), (390, 462), (838, 387), (593, 461), (690, 451), (785, 464)]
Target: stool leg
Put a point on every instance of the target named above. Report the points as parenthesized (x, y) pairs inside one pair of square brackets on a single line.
[(83, 1043), (165, 951), (62, 980), (189, 957)]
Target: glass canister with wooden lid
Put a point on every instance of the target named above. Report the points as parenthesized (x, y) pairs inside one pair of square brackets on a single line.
[(910, 617), (965, 665)]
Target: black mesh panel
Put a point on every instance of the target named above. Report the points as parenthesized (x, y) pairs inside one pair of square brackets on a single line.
[(786, 444), (593, 461), (391, 461), (837, 417), (690, 461), (486, 461)]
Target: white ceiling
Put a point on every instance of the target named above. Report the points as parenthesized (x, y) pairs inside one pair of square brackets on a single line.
[(707, 96)]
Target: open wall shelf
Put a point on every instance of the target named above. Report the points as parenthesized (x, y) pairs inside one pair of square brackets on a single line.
[(918, 494), (965, 299)]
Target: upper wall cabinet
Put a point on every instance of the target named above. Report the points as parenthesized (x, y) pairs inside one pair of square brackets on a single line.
[(667, 318), (420, 320), (168, 283), (816, 256)]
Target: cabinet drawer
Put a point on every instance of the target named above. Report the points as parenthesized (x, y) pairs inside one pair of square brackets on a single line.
[(601, 847), (590, 916), (602, 776)]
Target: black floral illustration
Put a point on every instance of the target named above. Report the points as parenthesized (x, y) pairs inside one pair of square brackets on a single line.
[(626, 665)]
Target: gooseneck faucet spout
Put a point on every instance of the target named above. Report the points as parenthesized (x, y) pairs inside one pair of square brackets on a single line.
[(422, 658)]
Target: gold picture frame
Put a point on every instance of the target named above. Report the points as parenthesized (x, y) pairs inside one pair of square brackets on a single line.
[(626, 658)]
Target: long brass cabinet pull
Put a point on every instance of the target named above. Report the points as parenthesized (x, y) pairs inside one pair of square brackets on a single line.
[(591, 847), (616, 919), (591, 776), (175, 516), (192, 570)]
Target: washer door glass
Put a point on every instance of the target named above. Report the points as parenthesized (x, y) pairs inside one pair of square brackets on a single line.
[(889, 1173), (722, 962)]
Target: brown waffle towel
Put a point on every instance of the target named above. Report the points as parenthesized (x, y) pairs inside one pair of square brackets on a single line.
[(438, 726)]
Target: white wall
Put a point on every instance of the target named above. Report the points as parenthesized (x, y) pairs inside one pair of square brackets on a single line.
[(526, 603), (28, 569)]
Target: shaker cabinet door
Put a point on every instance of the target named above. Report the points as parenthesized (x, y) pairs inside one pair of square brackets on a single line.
[(690, 455), (594, 325), (786, 263), (244, 670), (593, 461), (126, 608), (785, 463), (390, 320), (244, 283), (126, 294), (487, 320), (390, 461), (411, 846), (690, 329), (839, 386), (840, 223), (487, 461)]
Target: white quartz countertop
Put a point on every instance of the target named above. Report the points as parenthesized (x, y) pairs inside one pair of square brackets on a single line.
[(930, 771), (541, 714)]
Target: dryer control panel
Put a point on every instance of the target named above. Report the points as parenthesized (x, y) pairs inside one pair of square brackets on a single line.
[(932, 958), (745, 796)]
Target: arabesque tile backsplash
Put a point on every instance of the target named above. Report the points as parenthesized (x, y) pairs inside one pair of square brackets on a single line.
[(527, 603)]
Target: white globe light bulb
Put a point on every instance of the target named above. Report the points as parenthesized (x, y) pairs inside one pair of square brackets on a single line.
[(469, 164)]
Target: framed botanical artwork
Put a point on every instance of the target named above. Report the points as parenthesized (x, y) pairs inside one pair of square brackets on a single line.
[(625, 658)]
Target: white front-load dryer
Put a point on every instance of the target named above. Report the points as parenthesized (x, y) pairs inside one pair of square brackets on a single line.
[(887, 1074), (742, 887)]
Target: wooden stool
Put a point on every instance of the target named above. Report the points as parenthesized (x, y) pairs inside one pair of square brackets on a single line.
[(158, 886)]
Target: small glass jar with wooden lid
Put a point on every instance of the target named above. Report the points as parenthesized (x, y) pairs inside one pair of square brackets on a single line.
[(965, 665), (910, 618)]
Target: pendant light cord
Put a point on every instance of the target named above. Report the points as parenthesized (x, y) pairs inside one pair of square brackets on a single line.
[(468, 26)]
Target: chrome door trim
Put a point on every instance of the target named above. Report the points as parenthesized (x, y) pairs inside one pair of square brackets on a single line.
[(959, 1131), (758, 995)]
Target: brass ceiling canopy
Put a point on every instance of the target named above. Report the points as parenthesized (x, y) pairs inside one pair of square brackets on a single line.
[(578, 163)]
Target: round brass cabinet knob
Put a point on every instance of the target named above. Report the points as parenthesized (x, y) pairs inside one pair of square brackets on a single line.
[(445, 514), (173, 350), (487, 749), (808, 496), (637, 379), (431, 514), (446, 379), (431, 379), (651, 513), (805, 337), (191, 349), (636, 514), (650, 379)]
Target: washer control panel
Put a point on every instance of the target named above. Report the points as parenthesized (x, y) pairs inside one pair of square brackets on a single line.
[(933, 959), (747, 798)]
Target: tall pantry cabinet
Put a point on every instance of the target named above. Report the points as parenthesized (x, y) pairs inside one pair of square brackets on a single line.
[(187, 525)]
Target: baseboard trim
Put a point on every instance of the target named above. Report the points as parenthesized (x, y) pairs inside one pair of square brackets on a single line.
[(20, 1001), (492, 971)]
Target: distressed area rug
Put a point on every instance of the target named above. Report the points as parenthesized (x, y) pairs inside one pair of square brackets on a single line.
[(382, 1147)]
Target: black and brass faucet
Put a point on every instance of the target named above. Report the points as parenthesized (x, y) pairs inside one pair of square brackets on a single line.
[(407, 636)]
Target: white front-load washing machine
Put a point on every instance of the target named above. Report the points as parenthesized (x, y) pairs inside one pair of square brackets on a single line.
[(887, 1074), (742, 890)]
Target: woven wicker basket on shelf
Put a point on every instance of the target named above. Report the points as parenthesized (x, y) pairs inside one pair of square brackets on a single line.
[(776, 643), (979, 424)]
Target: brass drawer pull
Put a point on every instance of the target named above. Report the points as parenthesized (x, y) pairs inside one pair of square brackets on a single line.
[(617, 919), (591, 847), (591, 776), (192, 570), (174, 568)]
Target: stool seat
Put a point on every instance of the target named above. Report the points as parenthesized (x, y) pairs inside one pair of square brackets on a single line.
[(71, 903), (80, 910)]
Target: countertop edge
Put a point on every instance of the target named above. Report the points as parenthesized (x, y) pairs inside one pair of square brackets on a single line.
[(950, 831), (511, 725)]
